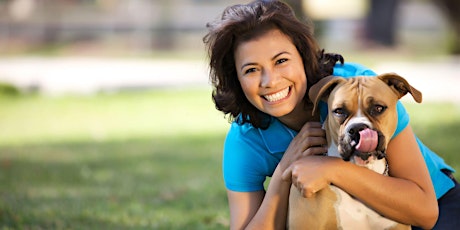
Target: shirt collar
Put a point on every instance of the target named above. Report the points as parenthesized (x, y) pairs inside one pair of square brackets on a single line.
[(277, 136)]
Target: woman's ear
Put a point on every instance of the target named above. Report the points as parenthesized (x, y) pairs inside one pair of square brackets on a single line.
[(322, 89)]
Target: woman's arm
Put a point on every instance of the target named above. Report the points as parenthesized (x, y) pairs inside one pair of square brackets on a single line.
[(260, 210), (407, 195), (268, 210), (243, 206)]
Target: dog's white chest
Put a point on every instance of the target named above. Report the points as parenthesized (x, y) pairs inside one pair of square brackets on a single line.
[(352, 214)]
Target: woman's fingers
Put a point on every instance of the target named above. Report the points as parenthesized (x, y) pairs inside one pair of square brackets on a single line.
[(319, 150), (312, 124), (287, 174), (312, 129), (312, 138), (306, 175), (305, 191)]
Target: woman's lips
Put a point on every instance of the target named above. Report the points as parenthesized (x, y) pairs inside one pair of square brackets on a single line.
[(278, 95)]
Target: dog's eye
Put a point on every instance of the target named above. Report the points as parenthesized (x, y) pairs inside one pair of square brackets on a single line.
[(378, 109), (340, 112)]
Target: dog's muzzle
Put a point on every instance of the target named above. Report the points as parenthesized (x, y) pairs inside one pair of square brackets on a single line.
[(361, 141)]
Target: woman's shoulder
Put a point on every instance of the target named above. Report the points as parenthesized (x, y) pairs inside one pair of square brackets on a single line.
[(241, 137), (351, 69), (251, 154), (241, 131), (273, 139)]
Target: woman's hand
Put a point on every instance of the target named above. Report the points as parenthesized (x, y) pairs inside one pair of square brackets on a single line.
[(311, 174), (311, 140)]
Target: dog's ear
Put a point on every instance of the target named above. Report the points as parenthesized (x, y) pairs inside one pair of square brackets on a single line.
[(400, 86), (322, 89)]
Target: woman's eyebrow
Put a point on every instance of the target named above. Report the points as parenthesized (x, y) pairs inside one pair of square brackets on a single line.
[(279, 54), (246, 64)]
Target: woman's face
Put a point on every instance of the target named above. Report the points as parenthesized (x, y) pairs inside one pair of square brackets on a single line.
[(271, 73)]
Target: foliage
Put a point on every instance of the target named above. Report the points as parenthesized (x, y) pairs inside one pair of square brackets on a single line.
[(8, 90)]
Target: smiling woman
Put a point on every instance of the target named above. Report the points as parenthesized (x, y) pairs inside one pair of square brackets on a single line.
[(263, 61)]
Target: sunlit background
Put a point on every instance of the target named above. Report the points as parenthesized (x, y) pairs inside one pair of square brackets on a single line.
[(106, 118), (86, 46)]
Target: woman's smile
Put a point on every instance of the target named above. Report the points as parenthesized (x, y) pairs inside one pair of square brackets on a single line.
[(278, 96)]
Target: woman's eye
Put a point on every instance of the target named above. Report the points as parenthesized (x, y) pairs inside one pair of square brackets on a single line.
[(282, 60), (250, 70)]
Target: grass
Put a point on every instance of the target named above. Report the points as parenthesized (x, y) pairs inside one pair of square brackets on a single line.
[(438, 126), (104, 117), (161, 183), (146, 160), (138, 160)]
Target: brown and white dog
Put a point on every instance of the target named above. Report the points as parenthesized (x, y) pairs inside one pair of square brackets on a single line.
[(361, 119)]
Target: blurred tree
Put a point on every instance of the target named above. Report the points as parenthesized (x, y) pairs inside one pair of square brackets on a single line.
[(297, 7), (7, 89), (451, 9), (164, 36), (381, 22)]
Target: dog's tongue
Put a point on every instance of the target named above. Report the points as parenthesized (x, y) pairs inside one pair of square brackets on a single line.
[(368, 141)]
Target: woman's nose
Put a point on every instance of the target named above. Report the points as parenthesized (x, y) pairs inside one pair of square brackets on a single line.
[(269, 79)]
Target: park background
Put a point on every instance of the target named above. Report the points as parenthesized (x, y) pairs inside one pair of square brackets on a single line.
[(106, 117)]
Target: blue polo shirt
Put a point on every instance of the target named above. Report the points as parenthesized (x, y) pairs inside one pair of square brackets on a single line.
[(252, 154)]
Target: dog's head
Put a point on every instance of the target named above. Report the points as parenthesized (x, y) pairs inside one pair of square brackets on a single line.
[(362, 114)]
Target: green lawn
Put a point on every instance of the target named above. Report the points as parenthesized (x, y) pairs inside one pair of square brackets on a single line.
[(438, 126), (139, 160)]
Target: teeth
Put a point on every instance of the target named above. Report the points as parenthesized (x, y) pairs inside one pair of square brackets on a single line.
[(277, 96)]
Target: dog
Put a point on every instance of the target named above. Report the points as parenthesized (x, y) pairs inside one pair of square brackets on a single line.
[(361, 119)]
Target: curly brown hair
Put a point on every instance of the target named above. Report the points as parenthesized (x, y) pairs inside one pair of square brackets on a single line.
[(241, 23)]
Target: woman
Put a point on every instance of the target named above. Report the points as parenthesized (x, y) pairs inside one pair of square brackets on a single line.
[(263, 61)]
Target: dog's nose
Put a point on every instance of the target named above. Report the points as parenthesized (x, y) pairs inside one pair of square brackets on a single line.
[(354, 130)]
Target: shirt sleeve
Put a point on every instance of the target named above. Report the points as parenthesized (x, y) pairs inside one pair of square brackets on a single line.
[(403, 119), (243, 166), (350, 69)]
